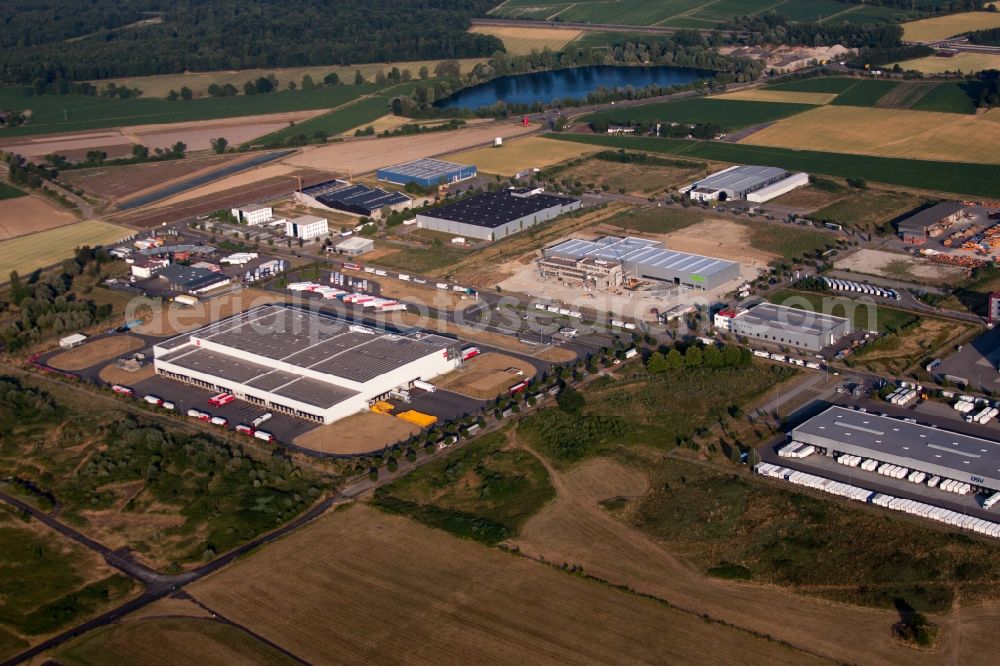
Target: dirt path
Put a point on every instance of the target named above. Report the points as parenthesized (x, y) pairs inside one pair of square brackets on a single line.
[(574, 529)]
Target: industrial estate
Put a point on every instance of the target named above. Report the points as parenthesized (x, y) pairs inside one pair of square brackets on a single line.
[(698, 303)]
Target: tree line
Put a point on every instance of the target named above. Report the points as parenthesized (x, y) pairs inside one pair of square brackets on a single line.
[(46, 41)]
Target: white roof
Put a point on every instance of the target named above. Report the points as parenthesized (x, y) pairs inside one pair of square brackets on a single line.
[(73, 339)]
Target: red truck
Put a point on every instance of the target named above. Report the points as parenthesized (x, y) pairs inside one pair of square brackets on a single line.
[(221, 399)]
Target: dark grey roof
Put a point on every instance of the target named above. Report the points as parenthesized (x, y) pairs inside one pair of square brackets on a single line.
[(494, 209), (936, 450), (184, 275), (213, 363), (353, 197), (920, 221), (740, 178), (378, 356), (315, 392)]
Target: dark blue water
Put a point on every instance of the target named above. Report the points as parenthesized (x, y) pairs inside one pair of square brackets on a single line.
[(574, 82)]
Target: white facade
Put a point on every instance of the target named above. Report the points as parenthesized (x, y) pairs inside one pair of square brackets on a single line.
[(307, 227), (253, 215), (781, 187)]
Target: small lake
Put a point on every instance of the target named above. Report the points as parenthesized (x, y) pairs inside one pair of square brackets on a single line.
[(573, 82)]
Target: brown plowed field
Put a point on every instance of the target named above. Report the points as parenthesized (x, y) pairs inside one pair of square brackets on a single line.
[(114, 183), (25, 215), (359, 586), (576, 529)]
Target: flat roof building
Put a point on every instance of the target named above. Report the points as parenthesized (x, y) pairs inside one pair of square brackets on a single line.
[(354, 246), (934, 451), (253, 214), (783, 325), (307, 227), (352, 198), (930, 221), (645, 259), (495, 215), (426, 172), (191, 279), (736, 182), (302, 363)]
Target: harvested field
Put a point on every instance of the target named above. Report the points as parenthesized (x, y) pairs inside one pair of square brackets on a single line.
[(943, 27), (364, 432), (369, 599), (26, 215), (170, 641), (900, 267), (198, 82), (576, 529), (965, 62), (808, 198), (251, 177), (523, 40), (112, 374), (92, 353), (918, 135), (364, 155), (27, 253), (124, 181), (788, 96), (174, 318), (170, 607), (486, 376), (533, 152)]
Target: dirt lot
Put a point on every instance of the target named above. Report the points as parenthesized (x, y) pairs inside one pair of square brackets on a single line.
[(531, 152), (386, 589), (487, 375), (239, 180), (719, 238), (366, 155), (360, 433), (175, 318), (900, 267), (463, 332), (112, 374), (92, 353), (419, 293), (574, 528), (25, 215), (121, 182), (118, 142)]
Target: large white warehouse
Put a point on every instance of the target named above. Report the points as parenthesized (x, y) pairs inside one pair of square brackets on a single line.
[(303, 363)]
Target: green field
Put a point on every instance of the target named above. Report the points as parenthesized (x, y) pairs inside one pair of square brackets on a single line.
[(728, 113), (868, 209), (484, 491), (655, 220), (956, 177), (822, 84), (865, 92), (692, 13), (334, 122), (10, 192), (68, 113), (26, 253), (886, 319), (791, 242), (951, 97)]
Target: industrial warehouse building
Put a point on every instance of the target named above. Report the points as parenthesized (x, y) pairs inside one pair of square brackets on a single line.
[(916, 447), (736, 182), (303, 363), (591, 262), (494, 215), (426, 172), (307, 227), (354, 246), (192, 279), (930, 222), (784, 325), (340, 195), (253, 214)]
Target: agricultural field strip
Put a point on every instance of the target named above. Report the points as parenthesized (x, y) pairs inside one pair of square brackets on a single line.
[(944, 177)]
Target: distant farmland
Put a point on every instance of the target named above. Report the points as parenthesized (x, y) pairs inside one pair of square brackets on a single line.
[(955, 177), (728, 113)]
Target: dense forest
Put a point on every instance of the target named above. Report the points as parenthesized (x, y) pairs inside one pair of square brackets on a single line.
[(985, 37), (97, 39)]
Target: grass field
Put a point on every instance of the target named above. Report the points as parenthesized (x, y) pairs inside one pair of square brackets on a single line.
[(943, 27), (10, 192), (780, 96), (789, 243), (865, 92), (655, 220), (26, 253), (198, 82), (962, 62), (728, 113), (951, 97), (822, 84), (49, 582), (868, 209), (354, 114), (955, 177), (386, 587), (887, 133), (523, 40), (514, 156), (170, 640), (69, 113), (638, 178)]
